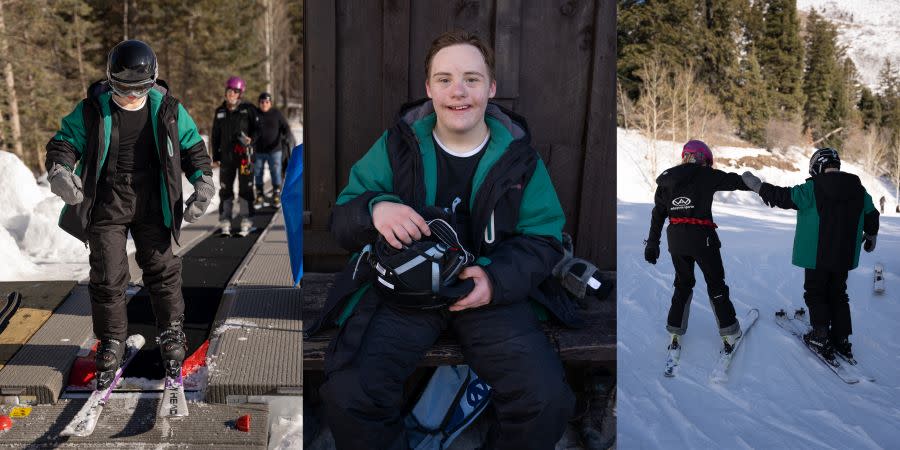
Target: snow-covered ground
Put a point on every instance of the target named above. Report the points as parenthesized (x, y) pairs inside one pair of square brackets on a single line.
[(778, 395), (869, 28)]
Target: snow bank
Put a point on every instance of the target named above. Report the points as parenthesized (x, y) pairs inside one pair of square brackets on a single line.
[(32, 246)]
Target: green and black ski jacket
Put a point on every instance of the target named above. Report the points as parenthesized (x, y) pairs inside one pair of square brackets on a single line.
[(516, 219), (833, 211), (83, 141)]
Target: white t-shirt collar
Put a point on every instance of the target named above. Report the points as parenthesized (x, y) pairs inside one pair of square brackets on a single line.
[(465, 154)]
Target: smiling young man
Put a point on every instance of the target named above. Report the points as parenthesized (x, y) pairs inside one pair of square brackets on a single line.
[(459, 157), (234, 133)]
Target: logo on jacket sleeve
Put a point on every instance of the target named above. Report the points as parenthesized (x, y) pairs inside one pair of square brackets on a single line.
[(681, 203)]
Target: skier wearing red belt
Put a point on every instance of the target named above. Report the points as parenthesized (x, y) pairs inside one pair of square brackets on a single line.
[(684, 194)]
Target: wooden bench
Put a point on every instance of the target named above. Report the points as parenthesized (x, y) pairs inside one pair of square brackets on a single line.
[(594, 344)]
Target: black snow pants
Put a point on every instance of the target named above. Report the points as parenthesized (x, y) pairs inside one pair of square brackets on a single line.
[(504, 345), (130, 202), (710, 262), (828, 302), (227, 173)]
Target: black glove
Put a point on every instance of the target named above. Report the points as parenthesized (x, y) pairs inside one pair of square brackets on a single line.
[(869, 242), (651, 251)]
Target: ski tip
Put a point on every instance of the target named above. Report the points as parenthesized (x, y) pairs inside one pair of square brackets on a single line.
[(135, 340)]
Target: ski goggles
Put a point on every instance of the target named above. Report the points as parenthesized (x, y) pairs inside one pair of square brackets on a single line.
[(138, 89)]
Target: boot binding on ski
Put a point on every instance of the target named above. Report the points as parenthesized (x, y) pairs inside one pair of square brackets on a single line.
[(107, 361), (173, 347)]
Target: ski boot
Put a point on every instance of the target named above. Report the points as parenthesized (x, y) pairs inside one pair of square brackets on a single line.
[(673, 342), (225, 228), (817, 339), (246, 227), (842, 346), (730, 340), (108, 359), (173, 347), (276, 197)]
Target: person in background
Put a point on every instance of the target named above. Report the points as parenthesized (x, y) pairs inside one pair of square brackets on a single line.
[(235, 129), (274, 139)]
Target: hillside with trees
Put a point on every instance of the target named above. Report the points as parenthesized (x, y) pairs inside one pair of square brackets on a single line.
[(52, 50), (757, 71)]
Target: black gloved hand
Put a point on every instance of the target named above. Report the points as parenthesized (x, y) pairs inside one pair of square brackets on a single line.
[(651, 251), (869, 242)]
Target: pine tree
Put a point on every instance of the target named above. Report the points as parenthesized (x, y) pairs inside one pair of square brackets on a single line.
[(780, 54), (671, 31), (869, 108), (889, 99), (821, 78), (753, 107), (720, 60)]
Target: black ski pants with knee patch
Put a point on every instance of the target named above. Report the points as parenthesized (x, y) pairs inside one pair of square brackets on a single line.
[(130, 202), (710, 262), (371, 358)]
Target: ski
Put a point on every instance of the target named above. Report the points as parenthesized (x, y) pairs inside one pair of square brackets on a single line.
[(173, 403), (720, 370), (673, 356), (85, 420), (878, 285), (852, 365), (10, 305), (798, 328)]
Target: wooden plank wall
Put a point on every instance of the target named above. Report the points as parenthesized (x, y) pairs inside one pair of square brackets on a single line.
[(555, 65)]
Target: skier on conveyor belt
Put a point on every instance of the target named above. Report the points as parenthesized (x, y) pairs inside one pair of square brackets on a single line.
[(835, 217), (128, 143), (234, 134), (684, 194)]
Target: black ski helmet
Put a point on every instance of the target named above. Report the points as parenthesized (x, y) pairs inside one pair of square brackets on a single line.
[(423, 274), (823, 158), (131, 68)]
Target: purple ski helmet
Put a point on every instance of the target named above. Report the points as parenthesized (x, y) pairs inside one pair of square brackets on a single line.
[(699, 150), (236, 83)]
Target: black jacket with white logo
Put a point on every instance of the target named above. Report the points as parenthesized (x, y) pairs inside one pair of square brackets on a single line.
[(685, 193)]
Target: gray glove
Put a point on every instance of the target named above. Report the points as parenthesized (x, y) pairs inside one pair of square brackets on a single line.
[(752, 181), (65, 184), (869, 242), (196, 204)]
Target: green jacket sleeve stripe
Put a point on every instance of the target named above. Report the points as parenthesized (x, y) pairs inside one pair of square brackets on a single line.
[(541, 213), (187, 129), (371, 173), (72, 130)]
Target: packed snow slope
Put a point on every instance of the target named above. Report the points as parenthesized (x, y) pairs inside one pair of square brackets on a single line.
[(777, 395), (869, 29)]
